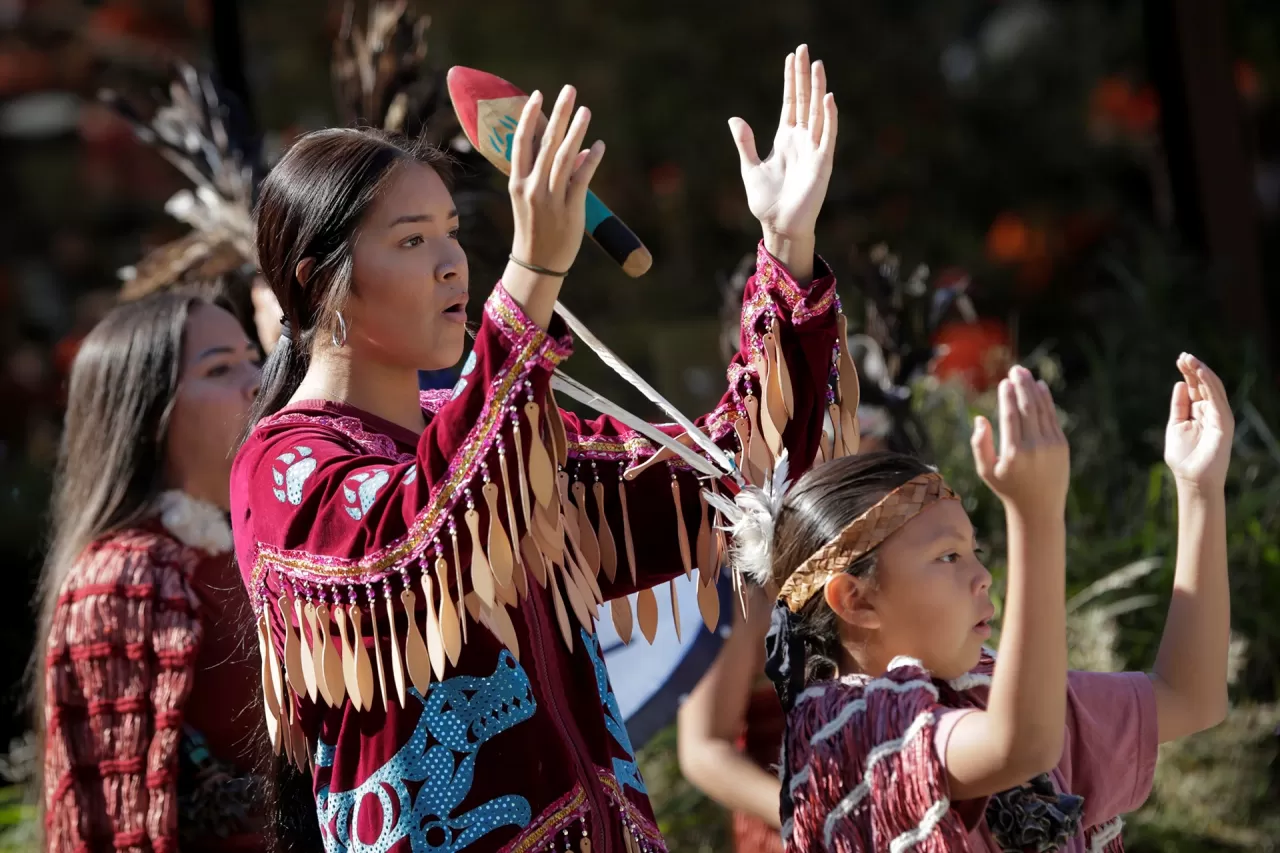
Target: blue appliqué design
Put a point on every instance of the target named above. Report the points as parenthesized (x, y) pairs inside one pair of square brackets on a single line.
[(626, 770), (504, 142), (459, 716)]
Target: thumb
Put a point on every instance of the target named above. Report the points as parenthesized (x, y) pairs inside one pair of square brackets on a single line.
[(745, 140), (984, 448), (1180, 405)]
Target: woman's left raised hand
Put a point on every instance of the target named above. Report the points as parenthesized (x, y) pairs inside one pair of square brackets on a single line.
[(786, 189)]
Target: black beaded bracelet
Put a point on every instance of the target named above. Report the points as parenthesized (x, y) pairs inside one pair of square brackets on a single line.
[(535, 268)]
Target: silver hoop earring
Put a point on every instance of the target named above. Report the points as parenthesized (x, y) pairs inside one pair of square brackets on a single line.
[(339, 343)]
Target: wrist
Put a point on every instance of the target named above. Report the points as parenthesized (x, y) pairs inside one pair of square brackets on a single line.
[(1192, 491), (1039, 513), (793, 252)]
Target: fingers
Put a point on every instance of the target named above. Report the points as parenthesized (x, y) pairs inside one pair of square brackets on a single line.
[(827, 144), (1213, 391), (1050, 427), (565, 160), (788, 117), (1010, 423), (589, 161), (802, 72), (1186, 366), (745, 140), (984, 449), (522, 148), (817, 101), (553, 136), (1028, 398)]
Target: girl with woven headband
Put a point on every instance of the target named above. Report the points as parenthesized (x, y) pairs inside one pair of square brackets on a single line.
[(902, 732)]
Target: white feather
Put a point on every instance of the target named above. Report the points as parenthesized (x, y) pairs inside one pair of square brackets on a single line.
[(575, 389), (751, 517), (700, 438)]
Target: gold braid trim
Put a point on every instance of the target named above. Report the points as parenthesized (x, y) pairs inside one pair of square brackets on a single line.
[(863, 534)]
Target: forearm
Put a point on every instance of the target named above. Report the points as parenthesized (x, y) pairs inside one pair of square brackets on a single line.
[(1028, 692), (727, 776), (1191, 664)]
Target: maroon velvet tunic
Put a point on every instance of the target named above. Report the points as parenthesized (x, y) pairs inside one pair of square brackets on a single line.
[(517, 748)]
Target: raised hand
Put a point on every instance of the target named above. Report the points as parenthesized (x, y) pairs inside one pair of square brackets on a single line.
[(1034, 466), (549, 180), (785, 191), (1197, 442)]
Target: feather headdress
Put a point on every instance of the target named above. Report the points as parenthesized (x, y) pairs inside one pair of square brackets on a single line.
[(192, 132), (378, 69)]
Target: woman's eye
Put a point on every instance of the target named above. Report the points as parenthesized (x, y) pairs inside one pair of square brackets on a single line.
[(218, 370), (415, 240), (453, 235), (950, 558)]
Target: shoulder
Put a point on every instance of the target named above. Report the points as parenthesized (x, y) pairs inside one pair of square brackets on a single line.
[(119, 587), (902, 699), (127, 561)]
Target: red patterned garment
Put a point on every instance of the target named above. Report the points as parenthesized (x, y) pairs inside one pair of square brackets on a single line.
[(141, 661), (868, 770), (515, 745)]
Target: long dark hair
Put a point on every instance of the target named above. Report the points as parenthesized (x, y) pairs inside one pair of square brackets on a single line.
[(311, 205), (111, 463)]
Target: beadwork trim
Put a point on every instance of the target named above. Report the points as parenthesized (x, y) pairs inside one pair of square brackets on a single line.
[(564, 812), (374, 443), (634, 817)]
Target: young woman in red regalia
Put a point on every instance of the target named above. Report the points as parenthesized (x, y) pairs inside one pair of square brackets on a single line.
[(426, 570), (146, 689)]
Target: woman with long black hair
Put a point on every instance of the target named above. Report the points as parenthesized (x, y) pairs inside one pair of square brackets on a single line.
[(145, 690)]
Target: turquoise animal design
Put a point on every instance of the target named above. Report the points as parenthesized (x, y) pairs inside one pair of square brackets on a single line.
[(625, 770), (459, 716)]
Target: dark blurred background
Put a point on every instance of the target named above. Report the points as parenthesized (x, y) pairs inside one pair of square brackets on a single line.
[(1104, 173)]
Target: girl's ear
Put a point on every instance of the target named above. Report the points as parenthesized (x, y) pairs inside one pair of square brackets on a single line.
[(849, 598)]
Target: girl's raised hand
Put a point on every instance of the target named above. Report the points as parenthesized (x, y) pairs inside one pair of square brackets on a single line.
[(1197, 442), (1033, 468), (549, 177)]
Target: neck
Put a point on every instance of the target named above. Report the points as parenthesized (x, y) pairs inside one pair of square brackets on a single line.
[(387, 391), (864, 661)]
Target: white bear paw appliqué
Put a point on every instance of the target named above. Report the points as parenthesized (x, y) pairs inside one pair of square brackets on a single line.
[(361, 498), (300, 467)]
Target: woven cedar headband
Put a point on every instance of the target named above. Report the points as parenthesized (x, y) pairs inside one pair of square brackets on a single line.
[(861, 535)]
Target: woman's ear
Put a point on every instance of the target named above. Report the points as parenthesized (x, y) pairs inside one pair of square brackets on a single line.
[(304, 269), (849, 598)]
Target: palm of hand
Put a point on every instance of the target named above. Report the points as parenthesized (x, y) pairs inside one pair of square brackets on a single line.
[(786, 189), (1194, 448)]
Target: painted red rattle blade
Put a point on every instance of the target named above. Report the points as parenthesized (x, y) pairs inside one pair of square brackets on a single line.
[(489, 108)]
